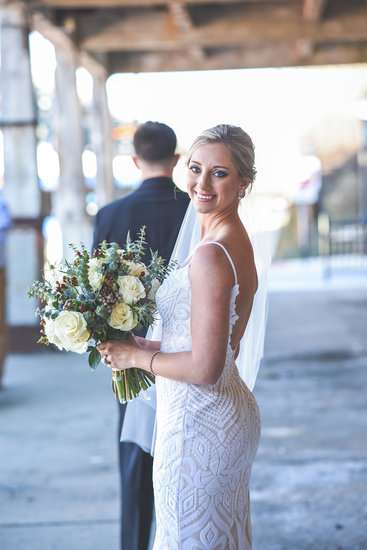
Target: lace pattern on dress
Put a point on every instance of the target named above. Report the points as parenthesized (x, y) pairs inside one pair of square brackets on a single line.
[(207, 437)]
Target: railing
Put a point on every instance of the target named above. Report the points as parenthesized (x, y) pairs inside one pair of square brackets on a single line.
[(342, 244)]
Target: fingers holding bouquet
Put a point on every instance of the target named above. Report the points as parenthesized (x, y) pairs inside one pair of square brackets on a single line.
[(118, 354)]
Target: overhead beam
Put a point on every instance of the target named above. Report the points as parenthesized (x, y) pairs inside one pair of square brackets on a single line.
[(271, 55), (153, 31), (87, 4), (188, 32), (313, 9)]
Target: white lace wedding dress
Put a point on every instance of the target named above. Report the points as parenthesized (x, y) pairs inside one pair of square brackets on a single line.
[(207, 438)]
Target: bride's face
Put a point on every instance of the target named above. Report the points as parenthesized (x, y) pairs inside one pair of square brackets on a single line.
[(213, 182)]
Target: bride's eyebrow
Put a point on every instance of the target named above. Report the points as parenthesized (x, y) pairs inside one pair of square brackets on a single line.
[(214, 167), (221, 166)]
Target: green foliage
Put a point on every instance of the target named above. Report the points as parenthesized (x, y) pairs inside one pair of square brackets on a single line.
[(94, 358), (137, 247), (71, 289)]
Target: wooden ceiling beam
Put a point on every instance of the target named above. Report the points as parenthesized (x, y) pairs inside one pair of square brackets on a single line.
[(313, 9), (272, 55), (87, 4), (175, 35), (188, 32), (144, 31), (140, 30)]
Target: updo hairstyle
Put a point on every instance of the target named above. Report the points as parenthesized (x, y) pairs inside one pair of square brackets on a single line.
[(237, 142)]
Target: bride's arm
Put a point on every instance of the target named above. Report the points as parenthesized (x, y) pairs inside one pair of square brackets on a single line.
[(211, 279)]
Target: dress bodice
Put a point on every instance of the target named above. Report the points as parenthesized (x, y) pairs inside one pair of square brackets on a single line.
[(174, 303)]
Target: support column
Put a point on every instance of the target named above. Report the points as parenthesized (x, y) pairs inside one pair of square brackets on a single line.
[(69, 200), (362, 176), (21, 189), (102, 140)]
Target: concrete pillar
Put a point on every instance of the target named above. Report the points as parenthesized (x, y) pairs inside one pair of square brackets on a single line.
[(362, 177), (69, 200), (21, 189), (102, 140)]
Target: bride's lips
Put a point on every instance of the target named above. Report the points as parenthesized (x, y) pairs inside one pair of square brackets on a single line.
[(202, 197)]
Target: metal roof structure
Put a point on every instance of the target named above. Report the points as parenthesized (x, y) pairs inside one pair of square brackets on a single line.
[(172, 35)]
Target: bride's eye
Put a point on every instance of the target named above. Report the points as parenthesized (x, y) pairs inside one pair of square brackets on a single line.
[(195, 169), (220, 174)]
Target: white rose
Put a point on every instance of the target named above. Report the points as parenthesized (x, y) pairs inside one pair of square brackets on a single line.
[(135, 268), (49, 329), (130, 288), (122, 317), (95, 278), (71, 330), (153, 291)]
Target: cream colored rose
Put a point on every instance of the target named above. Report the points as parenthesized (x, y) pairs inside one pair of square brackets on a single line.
[(49, 329), (130, 288), (135, 268), (122, 317), (70, 329), (153, 291), (95, 278)]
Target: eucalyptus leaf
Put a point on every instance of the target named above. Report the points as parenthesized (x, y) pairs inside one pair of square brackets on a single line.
[(94, 358)]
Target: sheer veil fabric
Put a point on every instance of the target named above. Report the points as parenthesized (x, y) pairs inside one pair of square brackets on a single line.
[(252, 343), (139, 417)]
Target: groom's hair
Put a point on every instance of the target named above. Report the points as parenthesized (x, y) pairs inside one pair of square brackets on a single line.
[(154, 142)]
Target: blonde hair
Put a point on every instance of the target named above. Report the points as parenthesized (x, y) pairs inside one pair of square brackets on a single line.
[(237, 142)]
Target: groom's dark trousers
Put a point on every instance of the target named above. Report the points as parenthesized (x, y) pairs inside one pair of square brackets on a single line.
[(160, 206)]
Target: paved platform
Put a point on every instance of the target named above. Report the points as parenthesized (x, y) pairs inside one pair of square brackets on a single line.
[(58, 454)]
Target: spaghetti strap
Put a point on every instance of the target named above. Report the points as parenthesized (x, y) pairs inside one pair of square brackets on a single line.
[(228, 256)]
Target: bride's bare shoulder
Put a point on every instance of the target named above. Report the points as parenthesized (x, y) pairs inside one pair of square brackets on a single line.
[(210, 262)]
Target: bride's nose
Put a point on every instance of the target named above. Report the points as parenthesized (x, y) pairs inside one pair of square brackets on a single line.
[(202, 181)]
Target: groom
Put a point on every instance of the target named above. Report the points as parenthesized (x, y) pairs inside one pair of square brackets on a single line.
[(160, 206)]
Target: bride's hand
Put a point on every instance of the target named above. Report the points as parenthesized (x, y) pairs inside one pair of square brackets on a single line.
[(118, 354)]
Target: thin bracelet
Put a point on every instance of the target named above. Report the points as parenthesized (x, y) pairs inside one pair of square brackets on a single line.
[(151, 362)]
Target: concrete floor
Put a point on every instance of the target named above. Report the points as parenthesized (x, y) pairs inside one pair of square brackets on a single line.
[(309, 482), (58, 455)]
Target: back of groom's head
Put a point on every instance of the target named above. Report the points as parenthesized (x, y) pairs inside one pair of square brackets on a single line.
[(154, 142)]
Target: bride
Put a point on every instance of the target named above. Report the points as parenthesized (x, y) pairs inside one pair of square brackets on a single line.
[(208, 424)]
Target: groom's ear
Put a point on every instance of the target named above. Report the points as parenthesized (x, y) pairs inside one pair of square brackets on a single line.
[(136, 161)]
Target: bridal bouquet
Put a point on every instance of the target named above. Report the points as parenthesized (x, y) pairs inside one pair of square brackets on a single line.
[(101, 297)]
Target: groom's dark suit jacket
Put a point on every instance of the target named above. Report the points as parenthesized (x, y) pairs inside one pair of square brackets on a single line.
[(157, 203), (160, 206)]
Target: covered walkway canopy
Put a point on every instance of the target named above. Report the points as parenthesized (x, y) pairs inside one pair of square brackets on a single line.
[(172, 35)]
